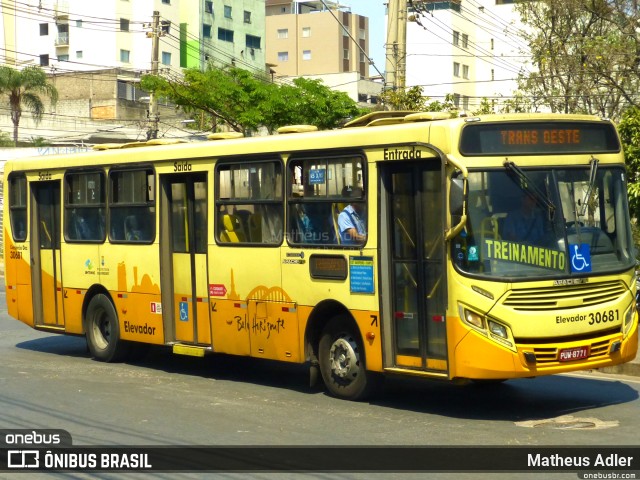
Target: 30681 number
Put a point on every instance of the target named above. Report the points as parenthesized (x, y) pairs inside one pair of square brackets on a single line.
[(604, 317)]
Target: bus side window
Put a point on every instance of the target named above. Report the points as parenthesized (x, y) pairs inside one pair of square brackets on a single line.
[(18, 207), (132, 206), (84, 207), (249, 202)]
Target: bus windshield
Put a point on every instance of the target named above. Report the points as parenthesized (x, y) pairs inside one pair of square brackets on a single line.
[(552, 222)]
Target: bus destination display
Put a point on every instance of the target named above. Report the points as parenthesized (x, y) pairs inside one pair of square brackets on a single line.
[(535, 138)]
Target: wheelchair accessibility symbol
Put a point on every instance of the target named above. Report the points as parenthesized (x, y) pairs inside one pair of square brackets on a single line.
[(184, 312), (580, 258)]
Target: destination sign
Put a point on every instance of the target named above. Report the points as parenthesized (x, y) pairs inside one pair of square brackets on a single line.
[(330, 267), (530, 138)]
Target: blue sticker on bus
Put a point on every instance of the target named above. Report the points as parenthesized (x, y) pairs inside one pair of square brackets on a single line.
[(317, 176), (361, 274), (580, 257), (184, 312)]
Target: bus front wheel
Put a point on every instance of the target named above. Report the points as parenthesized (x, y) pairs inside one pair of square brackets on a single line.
[(341, 357), (102, 330)]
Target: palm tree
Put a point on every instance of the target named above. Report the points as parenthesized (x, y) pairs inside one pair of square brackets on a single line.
[(24, 88)]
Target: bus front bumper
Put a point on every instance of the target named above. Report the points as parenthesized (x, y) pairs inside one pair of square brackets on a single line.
[(477, 357)]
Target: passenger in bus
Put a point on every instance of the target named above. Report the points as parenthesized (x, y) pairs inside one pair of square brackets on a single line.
[(305, 228), (21, 232), (131, 228), (350, 223), (525, 224), (82, 228)]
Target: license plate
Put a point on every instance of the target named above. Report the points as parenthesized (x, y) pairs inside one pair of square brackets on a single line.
[(571, 354)]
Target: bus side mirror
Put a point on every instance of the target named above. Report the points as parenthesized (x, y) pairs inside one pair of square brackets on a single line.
[(456, 197)]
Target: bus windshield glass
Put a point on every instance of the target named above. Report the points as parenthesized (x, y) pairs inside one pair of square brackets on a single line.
[(532, 223)]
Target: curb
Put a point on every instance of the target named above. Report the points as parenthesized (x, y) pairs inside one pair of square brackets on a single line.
[(631, 368)]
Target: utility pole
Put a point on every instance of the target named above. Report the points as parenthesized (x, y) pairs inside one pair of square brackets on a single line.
[(152, 114), (396, 47)]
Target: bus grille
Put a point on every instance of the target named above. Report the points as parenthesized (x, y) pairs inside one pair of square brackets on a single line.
[(546, 355), (565, 297)]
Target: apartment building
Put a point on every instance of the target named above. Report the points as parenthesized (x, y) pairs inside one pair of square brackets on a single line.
[(96, 53), (224, 32), (315, 37)]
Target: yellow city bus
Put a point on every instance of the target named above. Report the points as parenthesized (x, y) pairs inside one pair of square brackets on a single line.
[(242, 246)]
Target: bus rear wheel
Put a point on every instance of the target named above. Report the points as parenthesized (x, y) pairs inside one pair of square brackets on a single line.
[(103, 331), (341, 358)]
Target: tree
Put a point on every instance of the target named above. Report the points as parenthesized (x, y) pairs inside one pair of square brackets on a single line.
[(24, 89), (321, 106), (629, 128), (519, 103), (485, 107), (585, 55), (245, 102), (412, 99)]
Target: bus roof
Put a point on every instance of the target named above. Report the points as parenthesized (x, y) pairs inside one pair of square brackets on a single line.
[(410, 128)]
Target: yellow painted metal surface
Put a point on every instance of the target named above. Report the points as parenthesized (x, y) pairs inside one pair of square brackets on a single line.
[(188, 350)]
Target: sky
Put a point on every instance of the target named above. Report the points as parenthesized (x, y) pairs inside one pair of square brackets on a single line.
[(374, 9)]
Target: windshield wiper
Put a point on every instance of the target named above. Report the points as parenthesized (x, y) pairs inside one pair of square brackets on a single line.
[(529, 186), (592, 181)]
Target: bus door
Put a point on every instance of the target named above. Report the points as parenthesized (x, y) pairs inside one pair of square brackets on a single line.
[(183, 237), (412, 240), (46, 271)]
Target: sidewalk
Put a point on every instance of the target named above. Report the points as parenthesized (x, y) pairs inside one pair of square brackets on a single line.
[(629, 368)]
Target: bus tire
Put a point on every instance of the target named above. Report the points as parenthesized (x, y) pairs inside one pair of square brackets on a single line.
[(103, 331), (341, 357)]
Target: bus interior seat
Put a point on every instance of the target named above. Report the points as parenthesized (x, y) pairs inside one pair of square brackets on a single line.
[(336, 209), (255, 227), (491, 227), (243, 215), (232, 231)]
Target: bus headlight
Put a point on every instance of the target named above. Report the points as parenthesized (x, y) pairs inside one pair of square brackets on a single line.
[(500, 333), (498, 330), (628, 319), (472, 318)]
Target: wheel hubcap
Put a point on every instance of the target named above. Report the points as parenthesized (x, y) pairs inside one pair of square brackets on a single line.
[(101, 330), (344, 357)]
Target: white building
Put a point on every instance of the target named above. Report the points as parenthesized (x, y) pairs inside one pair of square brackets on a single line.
[(76, 35), (81, 35), (468, 48), (95, 53)]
